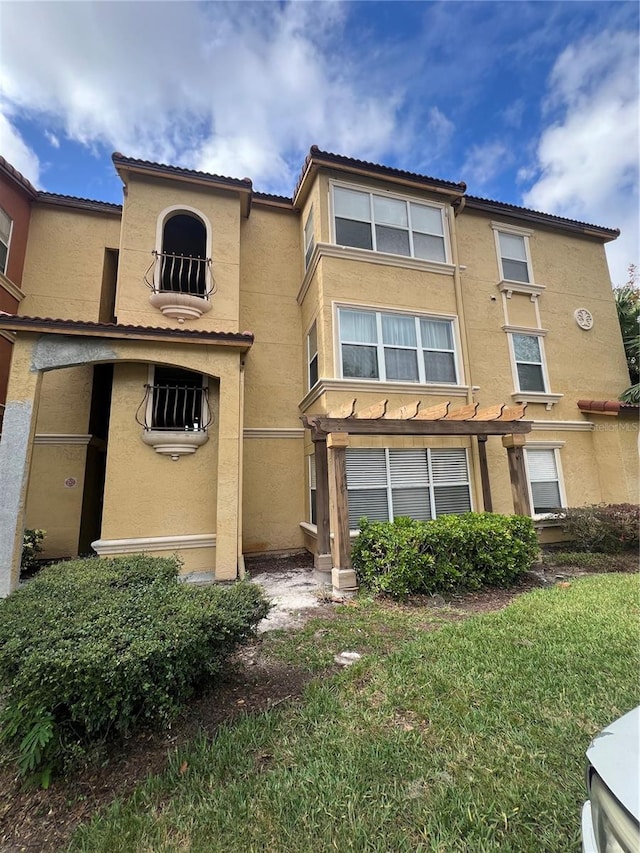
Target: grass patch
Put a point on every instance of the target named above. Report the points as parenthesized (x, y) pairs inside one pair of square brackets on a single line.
[(591, 561), (365, 625), (470, 738)]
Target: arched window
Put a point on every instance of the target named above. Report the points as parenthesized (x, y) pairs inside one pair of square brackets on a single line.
[(184, 265)]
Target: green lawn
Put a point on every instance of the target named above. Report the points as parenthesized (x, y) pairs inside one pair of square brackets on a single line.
[(466, 738)]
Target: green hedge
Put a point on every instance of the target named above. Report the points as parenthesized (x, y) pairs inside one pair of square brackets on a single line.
[(453, 552), (92, 648)]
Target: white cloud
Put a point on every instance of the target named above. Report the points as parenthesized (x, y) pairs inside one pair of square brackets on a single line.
[(15, 150), (485, 162), (52, 139), (587, 157), (239, 88)]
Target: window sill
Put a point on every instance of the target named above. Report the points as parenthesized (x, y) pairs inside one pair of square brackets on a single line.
[(312, 530), (180, 306), (436, 389), (549, 400), (511, 287), (350, 253), (174, 443)]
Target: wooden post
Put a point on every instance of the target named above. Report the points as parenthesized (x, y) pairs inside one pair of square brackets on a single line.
[(322, 559), (342, 574), (484, 474), (517, 473)]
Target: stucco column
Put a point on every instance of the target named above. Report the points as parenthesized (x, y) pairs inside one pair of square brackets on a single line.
[(228, 472), (16, 448)]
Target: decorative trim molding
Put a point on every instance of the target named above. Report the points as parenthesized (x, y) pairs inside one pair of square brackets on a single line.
[(544, 445), (563, 426), (511, 287), (11, 288), (525, 330), (512, 229), (312, 530), (368, 385), (269, 432), (61, 438), (107, 547), (536, 397), (349, 253)]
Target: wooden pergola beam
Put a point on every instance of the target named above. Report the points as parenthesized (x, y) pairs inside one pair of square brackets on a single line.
[(323, 425)]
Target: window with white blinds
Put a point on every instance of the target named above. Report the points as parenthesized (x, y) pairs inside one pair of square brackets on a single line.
[(544, 479), (385, 483)]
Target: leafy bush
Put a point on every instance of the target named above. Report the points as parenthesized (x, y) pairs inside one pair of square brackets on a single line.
[(605, 529), (452, 552), (92, 648), (31, 547)]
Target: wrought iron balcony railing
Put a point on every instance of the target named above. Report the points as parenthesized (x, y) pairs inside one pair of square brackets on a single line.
[(170, 273), (175, 407)]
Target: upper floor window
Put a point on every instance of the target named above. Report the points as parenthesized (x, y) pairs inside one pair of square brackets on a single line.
[(312, 355), (397, 347), (529, 362), (309, 239), (5, 235), (388, 224), (515, 263), (184, 251)]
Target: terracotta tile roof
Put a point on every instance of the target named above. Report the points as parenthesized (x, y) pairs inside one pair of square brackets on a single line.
[(608, 407), (120, 330), (329, 159), (17, 177), (489, 206), (78, 202), (120, 160)]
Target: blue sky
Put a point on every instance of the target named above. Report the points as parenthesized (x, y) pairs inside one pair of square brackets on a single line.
[(533, 103)]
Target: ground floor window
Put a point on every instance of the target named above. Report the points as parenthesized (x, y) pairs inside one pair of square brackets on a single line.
[(543, 470), (385, 483)]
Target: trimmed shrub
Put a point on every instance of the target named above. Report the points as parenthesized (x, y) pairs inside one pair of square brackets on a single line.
[(452, 552), (92, 648), (604, 529), (31, 547)]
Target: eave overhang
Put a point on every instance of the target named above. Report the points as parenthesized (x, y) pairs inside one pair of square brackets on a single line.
[(80, 328), (317, 159), (126, 166)]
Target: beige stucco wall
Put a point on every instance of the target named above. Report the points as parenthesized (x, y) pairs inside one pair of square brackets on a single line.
[(64, 262), (146, 200), (53, 506)]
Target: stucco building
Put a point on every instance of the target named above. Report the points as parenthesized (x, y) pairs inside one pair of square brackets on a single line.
[(165, 350)]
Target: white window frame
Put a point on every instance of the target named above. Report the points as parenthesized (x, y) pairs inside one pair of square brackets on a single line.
[(8, 243), (431, 486), (308, 238), (533, 333), (311, 356), (555, 448), (408, 200), (151, 381), (514, 231), (380, 345), (174, 210)]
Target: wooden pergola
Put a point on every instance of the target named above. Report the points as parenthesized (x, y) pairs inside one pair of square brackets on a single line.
[(330, 435)]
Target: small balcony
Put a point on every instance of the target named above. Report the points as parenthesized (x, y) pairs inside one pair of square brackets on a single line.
[(175, 413), (181, 285)]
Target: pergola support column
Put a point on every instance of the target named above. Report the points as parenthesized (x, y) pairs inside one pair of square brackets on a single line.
[(484, 474), (342, 574), (322, 560), (517, 473)]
